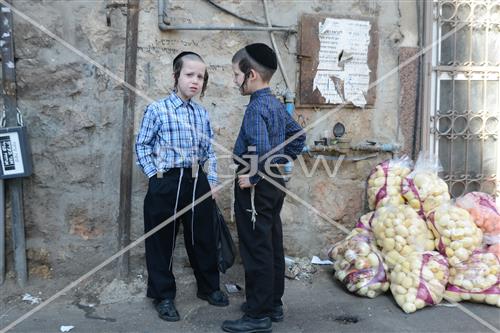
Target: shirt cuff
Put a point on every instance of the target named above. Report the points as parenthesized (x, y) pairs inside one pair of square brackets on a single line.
[(150, 172), (212, 181), (255, 179)]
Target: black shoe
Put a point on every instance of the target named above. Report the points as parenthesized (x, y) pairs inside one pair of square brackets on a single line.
[(277, 314), (166, 310), (217, 298), (248, 325)]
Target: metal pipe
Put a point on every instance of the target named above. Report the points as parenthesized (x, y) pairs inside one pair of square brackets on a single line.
[(426, 72), (289, 95), (275, 47), (326, 149), (163, 21), (418, 104), (344, 157), (289, 102), (2, 232), (231, 28), (227, 11), (124, 216), (290, 107), (15, 186), (386, 147), (383, 147)]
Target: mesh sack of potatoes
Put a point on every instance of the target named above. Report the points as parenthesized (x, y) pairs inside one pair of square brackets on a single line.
[(457, 236), (365, 221), (483, 210), (384, 182), (399, 231), (419, 281), (359, 265), (476, 280), (422, 188)]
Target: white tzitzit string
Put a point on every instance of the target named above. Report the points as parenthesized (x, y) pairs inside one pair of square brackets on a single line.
[(253, 210), (193, 205), (175, 216), (233, 199)]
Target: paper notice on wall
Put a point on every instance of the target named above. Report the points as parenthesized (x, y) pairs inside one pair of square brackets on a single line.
[(343, 75)]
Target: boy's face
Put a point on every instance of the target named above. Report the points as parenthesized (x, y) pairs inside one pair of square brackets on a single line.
[(239, 78), (191, 78)]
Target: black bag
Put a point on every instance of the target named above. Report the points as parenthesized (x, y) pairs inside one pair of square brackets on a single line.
[(226, 251)]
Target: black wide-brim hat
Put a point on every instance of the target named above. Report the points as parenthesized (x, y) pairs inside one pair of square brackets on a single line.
[(263, 55)]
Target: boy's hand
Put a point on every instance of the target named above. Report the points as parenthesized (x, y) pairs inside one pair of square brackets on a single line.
[(244, 181), (215, 191)]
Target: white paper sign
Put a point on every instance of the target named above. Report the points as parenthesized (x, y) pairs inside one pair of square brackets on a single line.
[(347, 80)]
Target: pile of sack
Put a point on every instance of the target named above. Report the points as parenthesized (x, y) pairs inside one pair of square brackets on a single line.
[(419, 243)]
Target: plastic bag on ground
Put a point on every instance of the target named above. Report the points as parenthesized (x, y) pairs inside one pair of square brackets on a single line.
[(419, 281), (399, 231), (457, 236), (384, 182), (359, 265), (422, 188), (476, 280)]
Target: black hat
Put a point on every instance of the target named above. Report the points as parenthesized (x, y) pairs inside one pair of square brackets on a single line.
[(263, 55), (182, 54)]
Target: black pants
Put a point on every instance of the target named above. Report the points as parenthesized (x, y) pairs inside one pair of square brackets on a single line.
[(199, 238), (261, 248)]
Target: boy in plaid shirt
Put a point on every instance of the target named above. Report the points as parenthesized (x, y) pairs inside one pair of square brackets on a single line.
[(172, 146)]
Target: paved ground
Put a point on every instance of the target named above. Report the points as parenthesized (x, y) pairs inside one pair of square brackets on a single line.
[(318, 305)]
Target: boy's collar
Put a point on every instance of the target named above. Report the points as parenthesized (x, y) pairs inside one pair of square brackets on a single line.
[(177, 101), (261, 92)]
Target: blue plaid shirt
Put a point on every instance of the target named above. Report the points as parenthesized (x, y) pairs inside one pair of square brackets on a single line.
[(266, 124), (175, 134)]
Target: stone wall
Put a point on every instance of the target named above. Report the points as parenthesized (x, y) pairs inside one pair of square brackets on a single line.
[(73, 112)]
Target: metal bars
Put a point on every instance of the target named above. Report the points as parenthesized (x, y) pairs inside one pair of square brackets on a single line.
[(465, 101)]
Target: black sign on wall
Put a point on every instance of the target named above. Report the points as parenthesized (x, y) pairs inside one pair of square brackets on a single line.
[(15, 153)]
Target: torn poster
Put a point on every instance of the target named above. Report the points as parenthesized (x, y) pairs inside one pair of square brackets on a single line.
[(343, 75)]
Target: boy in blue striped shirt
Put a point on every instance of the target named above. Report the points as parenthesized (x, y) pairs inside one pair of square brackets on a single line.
[(266, 126), (173, 144)]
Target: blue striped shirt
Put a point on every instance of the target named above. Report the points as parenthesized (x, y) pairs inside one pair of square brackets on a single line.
[(175, 134), (266, 124)]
